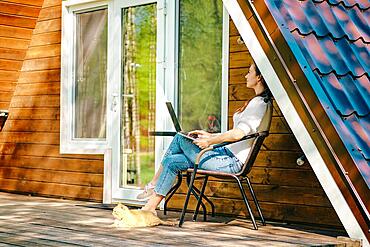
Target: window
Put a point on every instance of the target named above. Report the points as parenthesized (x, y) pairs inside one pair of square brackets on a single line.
[(84, 77), (90, 75), (191, 69), (200, 64)]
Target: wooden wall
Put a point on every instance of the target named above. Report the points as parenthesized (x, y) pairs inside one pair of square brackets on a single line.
[(17, 20), (29, 143), (286, 192)]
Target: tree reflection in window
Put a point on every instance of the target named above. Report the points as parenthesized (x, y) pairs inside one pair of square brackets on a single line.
[(200, 64), (139, 89)]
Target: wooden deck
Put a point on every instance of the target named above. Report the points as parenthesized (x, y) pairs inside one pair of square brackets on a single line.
[(36, 221)]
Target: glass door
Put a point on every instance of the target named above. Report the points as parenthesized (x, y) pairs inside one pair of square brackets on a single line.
[(160, 53), (134, 151), (139, 37)]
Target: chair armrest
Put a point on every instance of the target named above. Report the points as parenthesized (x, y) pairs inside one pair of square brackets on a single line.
[(162, 133), (197, 160), (201, 153), (242, 139)]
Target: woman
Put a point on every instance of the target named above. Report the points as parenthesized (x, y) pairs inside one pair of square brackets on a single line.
[(255, 115)]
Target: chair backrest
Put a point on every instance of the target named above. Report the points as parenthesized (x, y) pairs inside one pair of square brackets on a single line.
[(255, 148), (266, 121), (256, 139), (263, 131)]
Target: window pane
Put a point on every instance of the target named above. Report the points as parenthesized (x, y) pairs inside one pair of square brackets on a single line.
[(138, 99), (200, 64), (91, 78)]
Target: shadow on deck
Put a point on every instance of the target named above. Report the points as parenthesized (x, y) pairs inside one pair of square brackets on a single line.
[(37, 221)]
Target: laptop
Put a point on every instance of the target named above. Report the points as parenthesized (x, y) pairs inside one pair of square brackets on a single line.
[(176, 122)]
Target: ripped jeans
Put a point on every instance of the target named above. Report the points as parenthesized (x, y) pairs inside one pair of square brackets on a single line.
[(181, 155)]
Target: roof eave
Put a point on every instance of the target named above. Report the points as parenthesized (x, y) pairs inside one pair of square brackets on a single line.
[(308, 107)]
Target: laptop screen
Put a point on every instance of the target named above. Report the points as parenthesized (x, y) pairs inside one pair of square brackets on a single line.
[(175, 121)]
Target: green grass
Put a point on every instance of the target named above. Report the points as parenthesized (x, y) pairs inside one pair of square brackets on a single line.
[(147, 167)]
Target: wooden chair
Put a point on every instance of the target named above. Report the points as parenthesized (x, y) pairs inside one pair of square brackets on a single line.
[(239, 177)]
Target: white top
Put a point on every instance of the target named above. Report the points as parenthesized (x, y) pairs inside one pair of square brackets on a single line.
[(255, 117)]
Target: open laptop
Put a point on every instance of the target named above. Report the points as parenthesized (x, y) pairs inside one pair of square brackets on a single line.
[(176, 122)]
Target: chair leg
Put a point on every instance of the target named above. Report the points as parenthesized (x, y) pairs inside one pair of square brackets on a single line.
[(182, 217), (196, 194), (246, 203), (208, 200), (172, 192), (255, 201), (200, 198)]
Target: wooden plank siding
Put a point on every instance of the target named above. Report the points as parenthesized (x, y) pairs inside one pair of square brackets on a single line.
[(286, 192), (17, 21), (30, 161)]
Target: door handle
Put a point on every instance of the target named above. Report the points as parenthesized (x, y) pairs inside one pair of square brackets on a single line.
[(114, 104)]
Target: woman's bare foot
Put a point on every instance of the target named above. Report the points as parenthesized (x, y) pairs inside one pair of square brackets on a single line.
[(153, 203)]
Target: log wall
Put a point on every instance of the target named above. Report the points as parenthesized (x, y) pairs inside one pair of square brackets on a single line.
[(29, 143)]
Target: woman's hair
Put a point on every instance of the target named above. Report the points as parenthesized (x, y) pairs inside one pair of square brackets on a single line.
[(266, 94)]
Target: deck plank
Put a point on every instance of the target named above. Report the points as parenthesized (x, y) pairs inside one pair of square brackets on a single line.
[(34, 221)]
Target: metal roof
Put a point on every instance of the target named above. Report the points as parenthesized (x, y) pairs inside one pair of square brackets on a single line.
[(332, 38), (363, 4)]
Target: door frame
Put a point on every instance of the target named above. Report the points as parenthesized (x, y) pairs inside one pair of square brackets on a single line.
[(128, 195)]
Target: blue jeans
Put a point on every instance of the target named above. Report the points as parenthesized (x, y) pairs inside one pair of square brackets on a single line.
[(181, 155)]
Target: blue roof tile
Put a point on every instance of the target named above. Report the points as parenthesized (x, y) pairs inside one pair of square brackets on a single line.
[(346, 94), (323, 19), (333, 38), (341, 57), (362, 4), (361, 133)]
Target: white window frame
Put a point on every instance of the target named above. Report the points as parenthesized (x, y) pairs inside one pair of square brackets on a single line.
[(69, 144), (225, 70)]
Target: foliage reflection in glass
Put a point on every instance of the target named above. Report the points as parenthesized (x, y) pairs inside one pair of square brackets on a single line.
[(200, 64)]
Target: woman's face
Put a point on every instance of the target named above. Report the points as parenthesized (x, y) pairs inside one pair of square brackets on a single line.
[(252, 78)]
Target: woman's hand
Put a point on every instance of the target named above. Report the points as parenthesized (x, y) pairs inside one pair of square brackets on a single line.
[(228, 136), (200, 134), (202, 142)]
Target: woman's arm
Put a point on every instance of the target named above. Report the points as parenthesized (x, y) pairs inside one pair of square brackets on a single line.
[(229, 136), (200, 134)]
